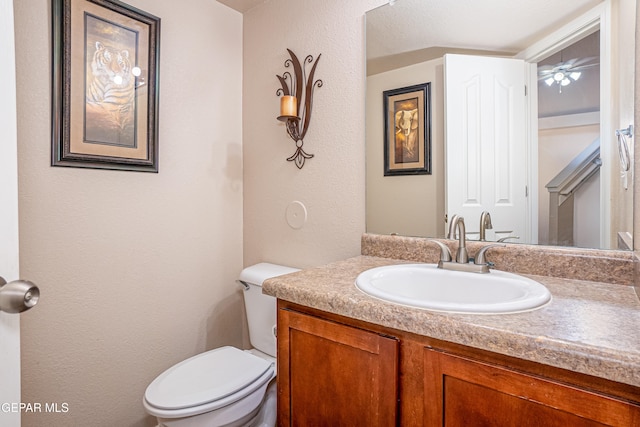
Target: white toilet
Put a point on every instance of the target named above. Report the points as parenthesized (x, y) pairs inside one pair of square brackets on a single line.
[(226, 386)]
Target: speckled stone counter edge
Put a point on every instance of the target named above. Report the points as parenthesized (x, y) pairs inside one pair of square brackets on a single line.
[(570, 263), (548, 335)]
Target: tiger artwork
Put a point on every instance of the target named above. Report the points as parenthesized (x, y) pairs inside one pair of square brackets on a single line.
[(110, 97)]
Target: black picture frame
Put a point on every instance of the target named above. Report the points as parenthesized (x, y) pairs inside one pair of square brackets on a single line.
[(407, 130), (105, 86)]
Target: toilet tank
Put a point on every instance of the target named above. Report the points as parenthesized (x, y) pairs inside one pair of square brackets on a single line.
[(261, 308)]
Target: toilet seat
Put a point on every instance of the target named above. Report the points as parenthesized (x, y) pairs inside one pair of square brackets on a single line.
[(206, 382)]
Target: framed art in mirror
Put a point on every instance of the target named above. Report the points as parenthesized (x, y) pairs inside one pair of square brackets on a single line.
[(407, 130), (105, 86)]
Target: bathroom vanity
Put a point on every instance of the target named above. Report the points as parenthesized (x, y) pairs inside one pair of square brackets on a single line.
[(394, 378), (575, 361)]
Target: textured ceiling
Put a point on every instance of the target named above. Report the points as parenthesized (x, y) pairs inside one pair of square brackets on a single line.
[(492, 25), (241, 5)]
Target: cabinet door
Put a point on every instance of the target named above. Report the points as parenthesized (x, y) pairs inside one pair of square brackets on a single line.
[(463, 392), (334, 375)]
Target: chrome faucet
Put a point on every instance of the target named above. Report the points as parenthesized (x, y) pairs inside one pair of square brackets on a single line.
[(481, 256), (453, 224), (461, 262), (457, 225), (462, 256), (485, 224)]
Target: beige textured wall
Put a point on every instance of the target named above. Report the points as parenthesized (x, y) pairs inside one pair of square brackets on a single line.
[(137, 270), (331, 185), (420, 197), (556, 148)]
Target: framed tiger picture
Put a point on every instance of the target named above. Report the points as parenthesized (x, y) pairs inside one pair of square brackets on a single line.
[(105, 86)]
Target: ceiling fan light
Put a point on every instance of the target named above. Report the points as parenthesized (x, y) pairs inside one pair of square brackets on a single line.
[(575, 75), (559, 76), (549, 81), (565, 81)]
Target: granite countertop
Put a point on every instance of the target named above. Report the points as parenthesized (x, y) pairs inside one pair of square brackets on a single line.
[(588, 327)]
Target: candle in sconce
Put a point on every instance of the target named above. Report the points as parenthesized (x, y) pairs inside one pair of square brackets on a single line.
[(288, 106)]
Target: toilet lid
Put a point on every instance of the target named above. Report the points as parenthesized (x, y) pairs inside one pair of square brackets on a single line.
[(205, 378)]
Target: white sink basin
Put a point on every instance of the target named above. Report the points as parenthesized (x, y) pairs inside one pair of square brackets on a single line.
[(428, 287)]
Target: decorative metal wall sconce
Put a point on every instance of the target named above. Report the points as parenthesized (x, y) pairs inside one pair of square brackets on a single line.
[(293, 111)]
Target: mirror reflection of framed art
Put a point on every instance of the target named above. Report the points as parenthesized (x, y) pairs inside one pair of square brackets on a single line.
[(407, 130)]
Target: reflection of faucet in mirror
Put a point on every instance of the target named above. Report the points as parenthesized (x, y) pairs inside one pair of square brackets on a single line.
[(485, 224)]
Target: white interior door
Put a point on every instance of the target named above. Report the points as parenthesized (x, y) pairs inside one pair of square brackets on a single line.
[(486, 144), (9, 323)]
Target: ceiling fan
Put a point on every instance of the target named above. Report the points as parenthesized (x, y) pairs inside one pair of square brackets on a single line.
[(564, 72)]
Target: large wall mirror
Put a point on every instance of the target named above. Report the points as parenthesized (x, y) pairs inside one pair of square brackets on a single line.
[(529, 118)]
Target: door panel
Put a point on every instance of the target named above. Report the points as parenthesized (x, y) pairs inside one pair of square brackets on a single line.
[(9, 323), (486, 158)]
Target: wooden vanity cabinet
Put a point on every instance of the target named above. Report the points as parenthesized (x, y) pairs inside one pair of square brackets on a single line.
[(336, 371), (330, 374), (462, 392)]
